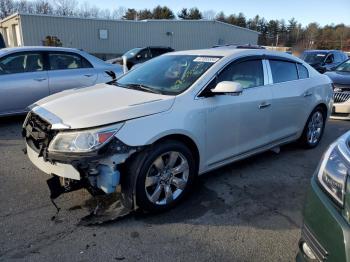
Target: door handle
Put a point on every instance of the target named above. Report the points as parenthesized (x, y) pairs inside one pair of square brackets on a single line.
[(39, 79), (264, 105), (88, 75), (307, 93)]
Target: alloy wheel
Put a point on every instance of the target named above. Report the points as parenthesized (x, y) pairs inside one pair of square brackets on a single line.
[(315, 128), (167, 178)]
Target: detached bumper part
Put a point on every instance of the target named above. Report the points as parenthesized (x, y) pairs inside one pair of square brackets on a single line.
[(63, 170)]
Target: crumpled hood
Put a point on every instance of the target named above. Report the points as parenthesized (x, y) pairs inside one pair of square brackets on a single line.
[(102, 104)]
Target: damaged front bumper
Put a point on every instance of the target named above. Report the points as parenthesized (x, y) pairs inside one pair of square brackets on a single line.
[(97, 171)]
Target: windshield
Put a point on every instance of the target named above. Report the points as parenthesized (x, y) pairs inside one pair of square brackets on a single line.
[(132, 52), (314, 58), (168, 75), (344, 67)]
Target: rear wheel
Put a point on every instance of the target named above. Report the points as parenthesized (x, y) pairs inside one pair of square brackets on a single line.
[(165, 176), (314, 128)]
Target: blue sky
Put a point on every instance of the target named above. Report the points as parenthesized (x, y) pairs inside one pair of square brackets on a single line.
[(305, 11)]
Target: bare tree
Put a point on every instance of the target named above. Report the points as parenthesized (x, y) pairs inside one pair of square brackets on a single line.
[(43, 7), (209, 14), (119, 12), (87, 11), (24, 6), (7, 7), (65, 7), (105, 13)]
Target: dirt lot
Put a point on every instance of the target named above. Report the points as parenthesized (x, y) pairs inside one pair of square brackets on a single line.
[(248, 211)]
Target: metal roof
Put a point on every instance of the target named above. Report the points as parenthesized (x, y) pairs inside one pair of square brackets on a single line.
[(132, 21)]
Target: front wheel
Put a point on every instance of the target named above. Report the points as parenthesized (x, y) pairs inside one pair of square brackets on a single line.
[(165, 177), (314, 129)]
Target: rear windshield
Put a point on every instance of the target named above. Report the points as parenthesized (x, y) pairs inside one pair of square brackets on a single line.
[(314, 58)]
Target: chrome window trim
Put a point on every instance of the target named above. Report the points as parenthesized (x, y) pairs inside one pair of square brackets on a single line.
[(265, 74)]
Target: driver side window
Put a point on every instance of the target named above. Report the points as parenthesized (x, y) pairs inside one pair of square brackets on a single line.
[(248, 73)]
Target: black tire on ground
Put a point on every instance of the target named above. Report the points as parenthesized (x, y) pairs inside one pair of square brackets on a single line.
[(305, 139), (138, 167)]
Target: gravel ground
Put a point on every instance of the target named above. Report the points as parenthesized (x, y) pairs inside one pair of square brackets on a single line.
[(247, 211)]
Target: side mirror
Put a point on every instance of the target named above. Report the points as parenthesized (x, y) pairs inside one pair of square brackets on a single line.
[(228, 87)]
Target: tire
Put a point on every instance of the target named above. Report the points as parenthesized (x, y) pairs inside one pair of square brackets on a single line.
[(314, 129), (164, 175)]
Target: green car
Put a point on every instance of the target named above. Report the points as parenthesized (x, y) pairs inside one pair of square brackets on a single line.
[(326, 230)]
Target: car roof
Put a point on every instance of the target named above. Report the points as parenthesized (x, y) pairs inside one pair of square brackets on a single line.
[(36, 48), (229, 51), (322, 51)]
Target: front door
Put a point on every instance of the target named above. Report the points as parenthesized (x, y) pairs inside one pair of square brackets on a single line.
[(23, 81), (238, 125)]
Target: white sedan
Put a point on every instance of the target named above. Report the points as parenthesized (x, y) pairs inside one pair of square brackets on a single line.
[(177, 116)]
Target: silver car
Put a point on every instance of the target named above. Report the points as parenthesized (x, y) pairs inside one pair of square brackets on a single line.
[(177, 116), (28, 74)]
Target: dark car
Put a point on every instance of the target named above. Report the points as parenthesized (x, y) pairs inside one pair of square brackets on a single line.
[(341, 83), (325, 233), (2, 42), (141, 54), (324, 60), (341, 76)]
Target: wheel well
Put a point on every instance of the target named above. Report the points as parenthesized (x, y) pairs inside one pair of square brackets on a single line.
[(324, 109), (187, 141)]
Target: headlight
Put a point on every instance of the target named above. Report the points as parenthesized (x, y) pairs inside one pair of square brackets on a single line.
[(333, 172), (83, 141)]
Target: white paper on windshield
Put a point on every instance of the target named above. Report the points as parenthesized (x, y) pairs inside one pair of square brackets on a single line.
[(321, 55), (206, 59)]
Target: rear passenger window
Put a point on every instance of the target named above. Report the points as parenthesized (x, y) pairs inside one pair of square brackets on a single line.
[(303, 72), (62, 61), (247, 73), (283, 71)]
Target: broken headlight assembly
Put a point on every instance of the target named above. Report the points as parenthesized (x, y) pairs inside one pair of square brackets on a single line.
[(83, 141), (334, 171)]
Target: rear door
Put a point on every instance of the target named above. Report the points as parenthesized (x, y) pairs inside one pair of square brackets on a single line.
[(291, 98), (69, 70), (23, 81)]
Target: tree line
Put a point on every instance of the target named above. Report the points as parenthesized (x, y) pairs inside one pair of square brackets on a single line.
[(273, 32)]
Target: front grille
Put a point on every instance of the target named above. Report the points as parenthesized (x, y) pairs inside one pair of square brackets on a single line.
[(341, 97), (341, 88), (38, 133)]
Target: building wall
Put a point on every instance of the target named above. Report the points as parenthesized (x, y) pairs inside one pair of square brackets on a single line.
[(10, 29), (124, 35)]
